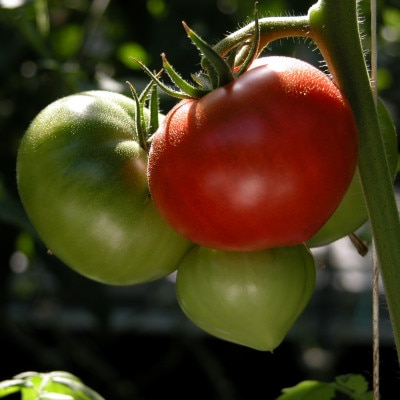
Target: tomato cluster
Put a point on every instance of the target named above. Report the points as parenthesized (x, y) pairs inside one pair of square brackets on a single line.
[(233, 186)]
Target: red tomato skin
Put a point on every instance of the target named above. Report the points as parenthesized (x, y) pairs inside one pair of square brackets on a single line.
[(261, 162)]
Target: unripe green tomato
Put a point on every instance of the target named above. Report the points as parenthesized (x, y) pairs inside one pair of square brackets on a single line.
[(248, 298), (82, 179), (352, 212)]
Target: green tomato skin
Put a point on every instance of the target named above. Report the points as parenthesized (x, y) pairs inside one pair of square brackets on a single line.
[(352, 212), (248, 298), (81, 176)]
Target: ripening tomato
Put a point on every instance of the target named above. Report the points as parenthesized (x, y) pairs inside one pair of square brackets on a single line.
[(352, 212), (82, 179), (249, 298), (261, 162)]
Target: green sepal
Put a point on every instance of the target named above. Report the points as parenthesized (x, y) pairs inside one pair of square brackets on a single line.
[(191, 90), (210, 72), (139, 120), (145, 127), (168, 90), (221, 67), (202, 79), (154, 106)]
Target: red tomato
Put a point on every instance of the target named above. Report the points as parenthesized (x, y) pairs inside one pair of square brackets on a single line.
[(261, 162)]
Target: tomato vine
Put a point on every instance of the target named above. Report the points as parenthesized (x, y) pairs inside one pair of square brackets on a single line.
[(333, 26)]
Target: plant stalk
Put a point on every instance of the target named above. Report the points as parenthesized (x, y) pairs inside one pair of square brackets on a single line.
[(271, 28), (334, 28)]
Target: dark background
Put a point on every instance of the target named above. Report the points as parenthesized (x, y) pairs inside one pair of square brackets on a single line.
[(134, 342)]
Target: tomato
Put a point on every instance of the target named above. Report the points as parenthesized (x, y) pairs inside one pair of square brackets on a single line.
[(261, 162), (352, 213), (82, 180), (249, 298)]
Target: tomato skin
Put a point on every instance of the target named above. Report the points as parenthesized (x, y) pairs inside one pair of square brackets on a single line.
[(261, 162), (82, 179), (248, 298), (352, 212)]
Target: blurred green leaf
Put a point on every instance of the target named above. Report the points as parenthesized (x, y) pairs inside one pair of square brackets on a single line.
[(128, 50), (157, 8), (384, 79), (356, 383), (42, 17), (56, 385), (68, 40), (11, 386), (308, 390), (353, 386)]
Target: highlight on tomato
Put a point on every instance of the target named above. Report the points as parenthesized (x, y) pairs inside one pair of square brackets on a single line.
[(82, 179)]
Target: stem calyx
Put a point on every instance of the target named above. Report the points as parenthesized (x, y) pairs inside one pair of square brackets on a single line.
[(216, 70)]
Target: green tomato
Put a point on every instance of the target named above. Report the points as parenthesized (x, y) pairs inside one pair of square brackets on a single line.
[(82, 179), (248, 298), (352, 212)]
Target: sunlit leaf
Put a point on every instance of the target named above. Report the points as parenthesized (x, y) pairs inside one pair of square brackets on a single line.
[(308, 390), (56, 385), (11, 386), (56, 396)]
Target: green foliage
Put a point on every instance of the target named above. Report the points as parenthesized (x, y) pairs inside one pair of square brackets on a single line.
[(354, 387), (56, 385), (60, 385)]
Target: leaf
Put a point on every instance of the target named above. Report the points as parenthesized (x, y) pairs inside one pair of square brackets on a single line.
[(356, 383), (56, 385), (29, 394), (78, 387), (11, 386), (366, 396), (65, 375), (55, 396), (27, 374), (308, 390)]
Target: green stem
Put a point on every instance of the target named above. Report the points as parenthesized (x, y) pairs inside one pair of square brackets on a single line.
[(271, 28), (334, 28)]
